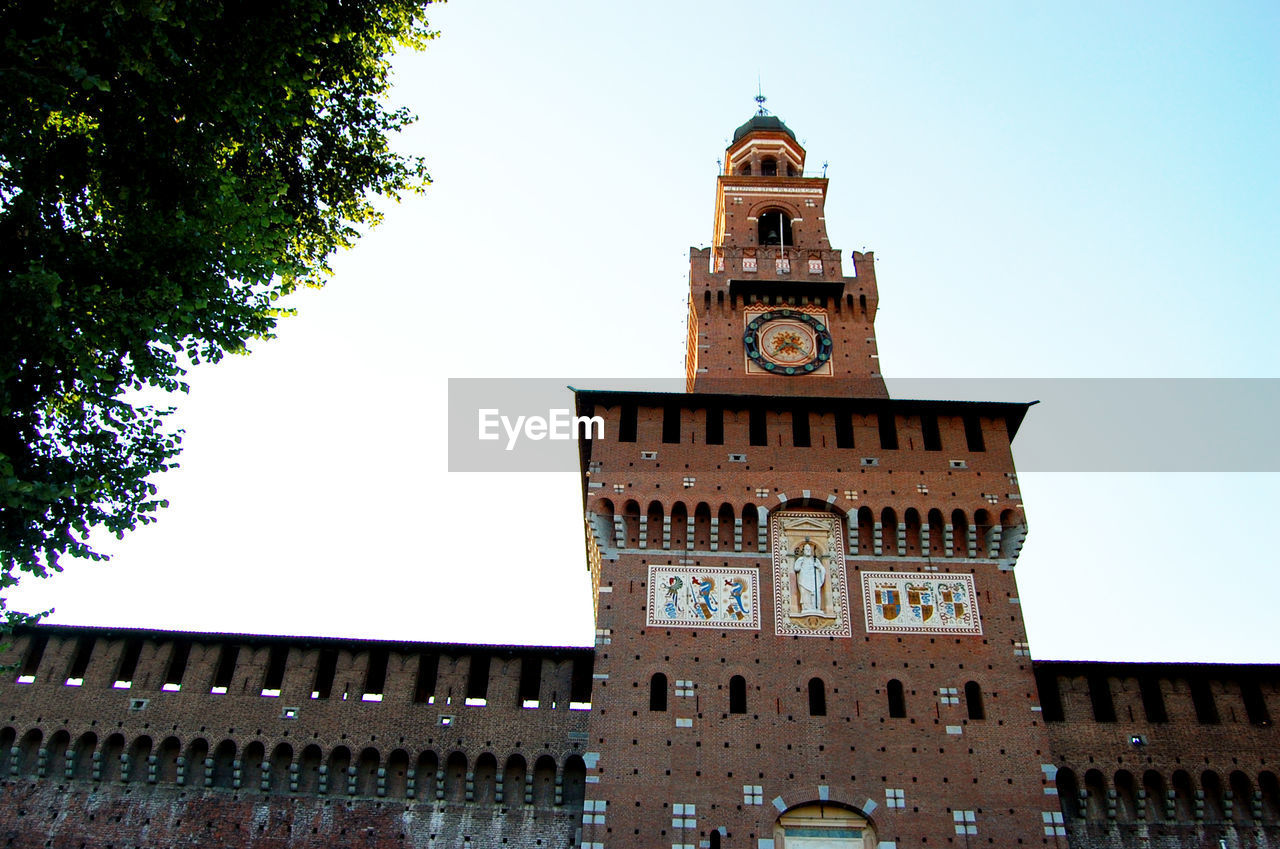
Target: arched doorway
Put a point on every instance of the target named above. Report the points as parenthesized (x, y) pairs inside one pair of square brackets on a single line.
[(823, 825)]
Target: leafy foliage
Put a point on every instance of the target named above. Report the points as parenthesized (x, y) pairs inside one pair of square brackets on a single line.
[(169, 169)]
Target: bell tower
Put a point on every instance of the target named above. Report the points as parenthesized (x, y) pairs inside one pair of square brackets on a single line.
[(770, 310), (808, 629)]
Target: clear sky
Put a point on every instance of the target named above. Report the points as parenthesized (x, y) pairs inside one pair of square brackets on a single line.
[(1054, 190)]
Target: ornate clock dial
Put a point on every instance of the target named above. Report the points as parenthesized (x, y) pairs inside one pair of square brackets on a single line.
[(787, 342)]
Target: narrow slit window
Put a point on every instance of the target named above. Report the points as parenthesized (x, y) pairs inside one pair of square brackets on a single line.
[(737, 694), (658, 692), (897, 700), (817, 697), (973, 700)]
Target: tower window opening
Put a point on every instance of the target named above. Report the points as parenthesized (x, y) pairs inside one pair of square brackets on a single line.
[(178, 658), (1202, 700), (530, 680), (658, 692), (671, 424), (326, 670), (768, 167), (1255, 705), (757, 428), (1050, 695), (80, 663), (737, 694), (1104, 709), (844, 430), (800, 428), (973, 434), (932, 437), (226, 670), (35, 653), (627, 420), (744, 170), (817, 697), (274, 679), (1152, 700), (580, 682), (424, 690), (897, 700), (478, 680), (375, 675), (888, 431), (715, 426), (128, 664), (774, 228)]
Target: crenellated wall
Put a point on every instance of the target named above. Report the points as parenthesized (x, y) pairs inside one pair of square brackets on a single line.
[(163, 739), (1164, 754)]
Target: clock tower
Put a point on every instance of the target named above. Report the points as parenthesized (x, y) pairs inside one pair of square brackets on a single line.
[(770, 310), (808, 628)]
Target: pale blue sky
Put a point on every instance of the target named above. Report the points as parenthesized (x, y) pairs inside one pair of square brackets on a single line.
[(1050, 191)]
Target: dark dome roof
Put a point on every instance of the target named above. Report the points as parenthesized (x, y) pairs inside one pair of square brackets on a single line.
[(762, 122)]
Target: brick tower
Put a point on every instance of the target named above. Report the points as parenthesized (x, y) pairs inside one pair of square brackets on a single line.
[(808, 630)]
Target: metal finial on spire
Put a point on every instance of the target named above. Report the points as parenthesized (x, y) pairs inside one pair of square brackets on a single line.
[(760, 99)]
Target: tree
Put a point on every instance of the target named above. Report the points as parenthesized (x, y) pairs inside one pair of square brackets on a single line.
[(169, 169)]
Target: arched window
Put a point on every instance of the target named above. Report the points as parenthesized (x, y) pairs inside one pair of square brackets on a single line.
[(817, 697), (737, 694), (744, 170), (768, 167), (774, 228), (715, 839), (973, 700), (658, 692), (897, 700)]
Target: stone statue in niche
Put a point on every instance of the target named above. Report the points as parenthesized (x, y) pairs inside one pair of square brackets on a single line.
[(809, 582)]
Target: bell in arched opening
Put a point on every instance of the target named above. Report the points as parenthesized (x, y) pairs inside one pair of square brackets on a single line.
[(774, 228)]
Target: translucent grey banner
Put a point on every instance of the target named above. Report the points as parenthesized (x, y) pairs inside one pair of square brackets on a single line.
[(1076, 425)]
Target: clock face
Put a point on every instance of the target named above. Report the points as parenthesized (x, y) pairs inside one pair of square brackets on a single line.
[(787, 342)]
